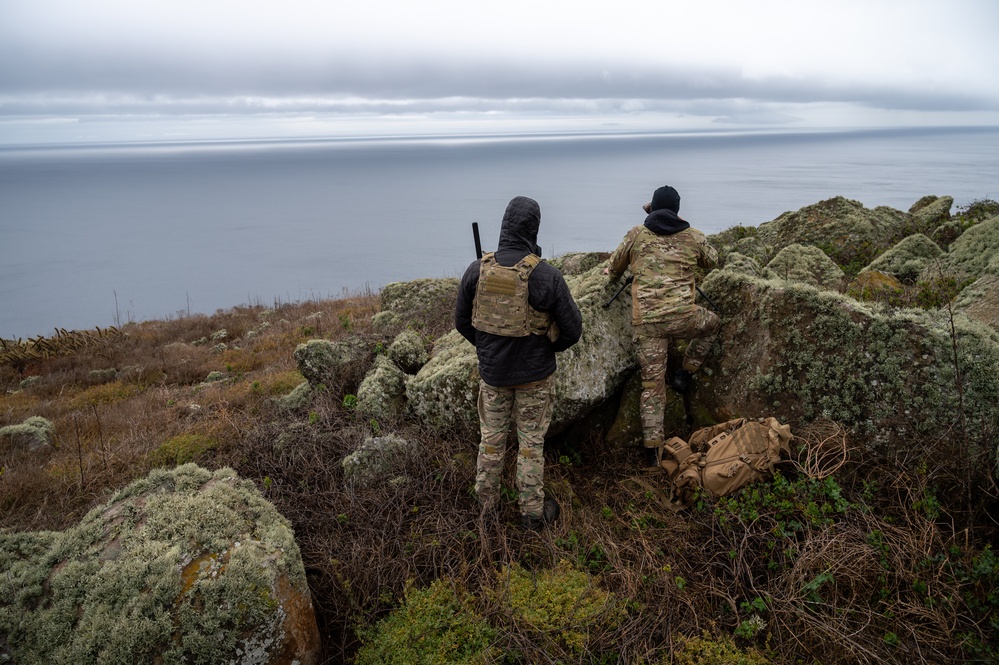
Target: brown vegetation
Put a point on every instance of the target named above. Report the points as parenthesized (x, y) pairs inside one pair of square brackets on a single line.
[(842, 558)]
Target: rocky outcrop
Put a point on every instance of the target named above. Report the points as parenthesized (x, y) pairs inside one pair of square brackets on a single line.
[(908, 259), (844, 229), (798, 353), (185, 565), (443, 393), (379, 460), (980, 299), (413, 303), (971, 254), (34, 433), (806, 264), (382, 393), (930, 212)]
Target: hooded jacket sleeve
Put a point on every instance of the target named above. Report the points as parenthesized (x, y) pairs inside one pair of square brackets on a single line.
[(567, 317), (466, 299)]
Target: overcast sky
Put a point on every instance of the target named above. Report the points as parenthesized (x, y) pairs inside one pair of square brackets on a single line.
[(79, 70)]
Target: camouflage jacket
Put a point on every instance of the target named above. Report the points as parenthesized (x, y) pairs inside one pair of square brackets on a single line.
[(665, 256)]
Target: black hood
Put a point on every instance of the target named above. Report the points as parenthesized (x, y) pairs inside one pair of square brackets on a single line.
[(665, 222), (519, 233)]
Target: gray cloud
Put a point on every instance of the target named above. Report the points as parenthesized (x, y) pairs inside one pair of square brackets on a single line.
[(107, 57)]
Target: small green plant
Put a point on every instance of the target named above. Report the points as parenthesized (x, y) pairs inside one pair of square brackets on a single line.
[(182, 449), (313, 417), (891, 639), (563, 604), (376, 429), (350, 402), (434, 625), (708, 650), (345, 321)]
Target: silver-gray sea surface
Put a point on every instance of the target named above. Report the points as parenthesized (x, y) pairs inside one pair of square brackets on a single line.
[(99, 235)]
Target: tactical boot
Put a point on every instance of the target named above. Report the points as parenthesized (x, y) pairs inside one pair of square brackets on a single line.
[(549, 513)]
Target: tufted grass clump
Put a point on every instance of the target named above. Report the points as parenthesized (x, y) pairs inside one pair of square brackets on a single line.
[(182, 449), (708, 650), (563, 605), (436, 624)]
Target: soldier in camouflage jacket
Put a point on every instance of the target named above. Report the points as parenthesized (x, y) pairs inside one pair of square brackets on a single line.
[(665, 255)]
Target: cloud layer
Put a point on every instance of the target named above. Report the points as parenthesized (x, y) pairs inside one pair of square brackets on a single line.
[(766, 62)]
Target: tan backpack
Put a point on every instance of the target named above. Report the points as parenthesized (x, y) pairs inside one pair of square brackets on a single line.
[(723, 458)]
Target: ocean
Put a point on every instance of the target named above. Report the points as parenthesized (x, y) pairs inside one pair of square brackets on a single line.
[(99, 235)]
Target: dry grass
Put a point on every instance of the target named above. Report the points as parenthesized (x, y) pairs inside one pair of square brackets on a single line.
[(883, 575)]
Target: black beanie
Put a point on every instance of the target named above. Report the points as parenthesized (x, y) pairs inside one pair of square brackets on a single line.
[(666, 197)]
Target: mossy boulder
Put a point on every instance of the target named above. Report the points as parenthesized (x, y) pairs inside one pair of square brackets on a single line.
[(971, 254), (379, 460), (806, 264), (849, 233), (332, 364), (299, 397), (34, 433), (871, 284), (576, 263), (443, 393), (741, 263), (908, 259), (413, 303), (980, 299), (798, 353), (382, 393), (184, 566), (930, 212), (409, 351)]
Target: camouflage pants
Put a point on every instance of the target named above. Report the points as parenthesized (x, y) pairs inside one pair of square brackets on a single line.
[(652, 342), (529, 407)]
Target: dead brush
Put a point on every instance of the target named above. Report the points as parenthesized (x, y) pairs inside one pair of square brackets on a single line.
[(822, 448)]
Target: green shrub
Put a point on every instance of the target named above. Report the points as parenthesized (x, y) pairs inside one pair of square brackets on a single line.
[(182, 449), (434, 625), (564, 604), (706, 650)]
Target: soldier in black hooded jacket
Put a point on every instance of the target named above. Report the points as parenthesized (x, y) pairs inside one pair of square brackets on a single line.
[(516, 371)]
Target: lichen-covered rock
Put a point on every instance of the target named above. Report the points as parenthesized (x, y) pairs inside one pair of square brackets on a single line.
[(184, 566), (945, 234), (844, 228), (798, 353), (910, 257), (35, 432), (408, 351), (415, 302), (806, 264), (970, 254), (443, 393), (930, 212), (298, 398), (324, 362), (576, 263), (869, 284), (379, 460), (739, 262), (382, 393), (980, 299)]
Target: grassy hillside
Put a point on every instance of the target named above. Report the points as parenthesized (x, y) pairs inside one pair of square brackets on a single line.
[(868, 564)]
